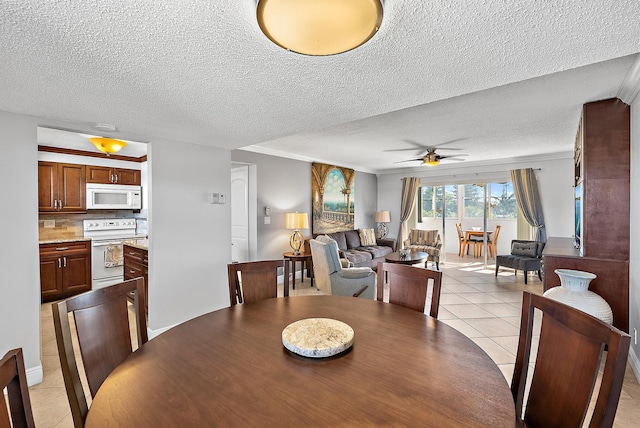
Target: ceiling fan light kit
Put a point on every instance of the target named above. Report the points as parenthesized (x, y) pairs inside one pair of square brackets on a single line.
[(319, 27)]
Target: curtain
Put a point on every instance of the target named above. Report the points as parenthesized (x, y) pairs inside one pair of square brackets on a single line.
[(409, 189), (525, 187)]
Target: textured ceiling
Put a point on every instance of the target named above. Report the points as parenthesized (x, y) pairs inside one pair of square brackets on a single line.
[(201, 71)]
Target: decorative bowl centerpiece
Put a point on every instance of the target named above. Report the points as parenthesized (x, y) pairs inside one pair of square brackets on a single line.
[(317, 337)]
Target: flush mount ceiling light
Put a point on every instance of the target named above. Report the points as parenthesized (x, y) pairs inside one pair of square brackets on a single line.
[(107, 145), (319, 27)]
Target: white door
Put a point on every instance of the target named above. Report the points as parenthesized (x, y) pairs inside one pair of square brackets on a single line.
[(240, 213)]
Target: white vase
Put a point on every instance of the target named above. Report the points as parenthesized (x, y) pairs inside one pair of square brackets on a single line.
[(574, 291)]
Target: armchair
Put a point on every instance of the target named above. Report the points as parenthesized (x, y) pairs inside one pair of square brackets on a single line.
[(332, 278), (427, 241)]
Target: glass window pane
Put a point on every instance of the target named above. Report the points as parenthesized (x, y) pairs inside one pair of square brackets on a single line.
[(451, 206), (473, 200), (438, 201), (427, 202), (503, 201)]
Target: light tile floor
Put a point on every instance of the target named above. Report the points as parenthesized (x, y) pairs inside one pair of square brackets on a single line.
[(473, 301)]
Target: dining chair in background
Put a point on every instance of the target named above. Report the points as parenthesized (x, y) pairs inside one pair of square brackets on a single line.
[(256, 280), (408, 286), (571, 346), (14, 378), (462, 240), (104, 311)]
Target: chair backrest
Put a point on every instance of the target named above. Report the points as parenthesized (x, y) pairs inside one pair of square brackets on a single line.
[(460, 232), (494, 238), (326, 260), (423, 237), (525, 248), (408, 286), (14, 378), (567, 365), (257, 280), (103, 331)]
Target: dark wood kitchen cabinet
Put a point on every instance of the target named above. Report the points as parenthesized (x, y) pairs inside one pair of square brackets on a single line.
[(107, 175), (61, 187), (65, 269), (136, 265)]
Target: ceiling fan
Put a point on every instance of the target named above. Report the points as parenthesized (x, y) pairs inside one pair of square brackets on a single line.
[(428, 154)]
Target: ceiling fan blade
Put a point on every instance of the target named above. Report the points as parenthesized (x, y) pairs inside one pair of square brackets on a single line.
[(410, 160), (450, 156), (454, 159), (401, 150)]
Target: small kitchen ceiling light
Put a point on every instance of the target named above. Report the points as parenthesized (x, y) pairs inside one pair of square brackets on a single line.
[(107, 145), (319, 27)]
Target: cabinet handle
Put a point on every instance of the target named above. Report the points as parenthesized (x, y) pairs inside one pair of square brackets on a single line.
[(132, 271), (116, 178), (59, 262), (59, 204), (64, 262), (55, 204), (62, 248)]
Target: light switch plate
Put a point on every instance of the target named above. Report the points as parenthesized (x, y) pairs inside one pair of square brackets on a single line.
[(49, 223), (267, 220)]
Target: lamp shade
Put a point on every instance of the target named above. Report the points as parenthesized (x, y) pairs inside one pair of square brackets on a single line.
[(319, 27), (107, 145), (296, 221), (382, 217)]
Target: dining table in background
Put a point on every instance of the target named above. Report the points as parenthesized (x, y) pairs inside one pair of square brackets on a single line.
[(479, 235), (230, 368)]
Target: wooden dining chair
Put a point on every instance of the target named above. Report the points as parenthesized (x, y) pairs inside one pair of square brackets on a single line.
[(492, 243), (256, 280), (102, 329), (408, 286), (14, 378), (462, 240), (569, 354)]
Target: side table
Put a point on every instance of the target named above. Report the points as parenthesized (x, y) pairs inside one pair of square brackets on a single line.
[(305, 262)]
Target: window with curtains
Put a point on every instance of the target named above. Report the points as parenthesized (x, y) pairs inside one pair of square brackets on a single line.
[(467, 201)]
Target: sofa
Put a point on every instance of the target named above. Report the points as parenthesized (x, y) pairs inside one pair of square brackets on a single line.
[(426, 241), (361, 248), (525, 256)]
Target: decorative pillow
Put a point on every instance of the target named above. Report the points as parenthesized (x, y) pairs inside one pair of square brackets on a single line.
[(524, 249), (339, 238), (367, 237), (353, 239)]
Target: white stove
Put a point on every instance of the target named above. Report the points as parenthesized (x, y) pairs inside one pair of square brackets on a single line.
[(107, 236)]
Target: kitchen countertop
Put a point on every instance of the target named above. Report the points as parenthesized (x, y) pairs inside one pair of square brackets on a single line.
[(142, 244), (63, 239)]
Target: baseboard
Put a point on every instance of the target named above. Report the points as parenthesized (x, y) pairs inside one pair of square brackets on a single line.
[(153, 333), (634, 363), (34, 375)]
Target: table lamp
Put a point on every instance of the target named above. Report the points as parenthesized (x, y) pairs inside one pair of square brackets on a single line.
[(382, 218), (296, 221)]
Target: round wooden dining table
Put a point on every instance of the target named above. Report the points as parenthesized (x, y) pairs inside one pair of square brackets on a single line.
[(230, 368)]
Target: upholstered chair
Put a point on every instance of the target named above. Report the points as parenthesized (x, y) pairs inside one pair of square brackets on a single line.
[(427, 241), (332, 278)]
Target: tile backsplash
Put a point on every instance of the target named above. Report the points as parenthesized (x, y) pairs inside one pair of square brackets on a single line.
[(70, 225)]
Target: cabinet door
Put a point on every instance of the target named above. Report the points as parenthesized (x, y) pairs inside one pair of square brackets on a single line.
[(71, 187), (50, 277), (128, 176), (99, 174), (47, 186), (76, 276)]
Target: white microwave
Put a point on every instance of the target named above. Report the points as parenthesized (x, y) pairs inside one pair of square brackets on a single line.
[(113, 197)]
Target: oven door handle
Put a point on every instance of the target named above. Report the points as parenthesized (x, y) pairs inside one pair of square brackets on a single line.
[(106, 244)]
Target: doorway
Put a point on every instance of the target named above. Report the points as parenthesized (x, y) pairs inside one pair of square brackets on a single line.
[(243, 212)]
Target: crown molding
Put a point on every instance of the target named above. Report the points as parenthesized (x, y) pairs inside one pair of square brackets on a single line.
[(112, 156), (631, 84)]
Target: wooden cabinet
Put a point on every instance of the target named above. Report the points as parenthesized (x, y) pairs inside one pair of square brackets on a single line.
[(65, 269), (107, 175), (61, 187), (602, 167), (136, 265)]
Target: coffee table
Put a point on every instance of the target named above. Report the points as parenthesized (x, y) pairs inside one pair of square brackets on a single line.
[(412, 258)]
